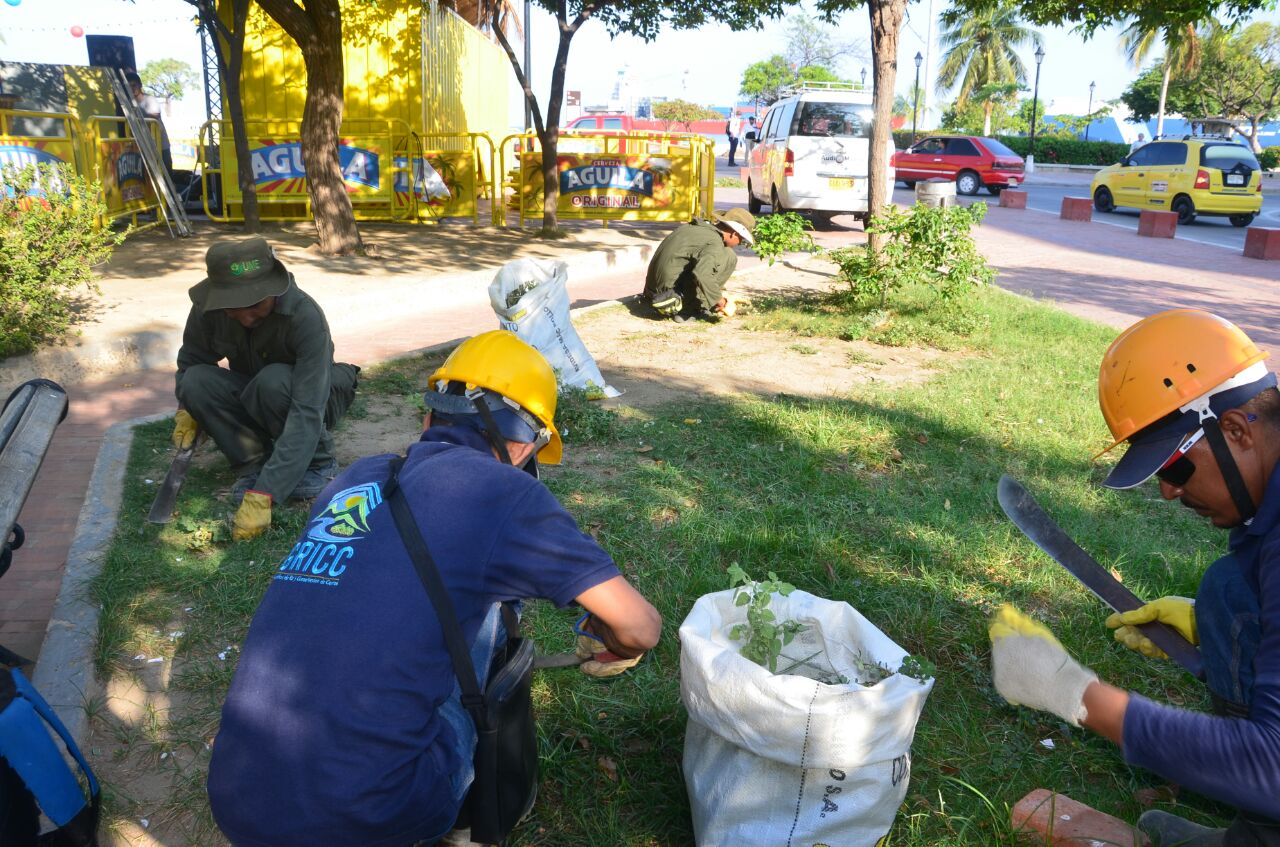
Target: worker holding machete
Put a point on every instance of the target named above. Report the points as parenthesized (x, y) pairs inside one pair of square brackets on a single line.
[(270, 411), (1193, 398)]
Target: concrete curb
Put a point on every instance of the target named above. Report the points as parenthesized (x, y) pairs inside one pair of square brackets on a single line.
[(64, 673), (99, 358)]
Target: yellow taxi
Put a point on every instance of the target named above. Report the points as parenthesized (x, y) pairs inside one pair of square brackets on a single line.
[(1190, 176)]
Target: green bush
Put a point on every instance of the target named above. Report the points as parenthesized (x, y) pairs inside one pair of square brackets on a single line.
[(923, 245), (1269, 158), (49, 243), (784, 232)]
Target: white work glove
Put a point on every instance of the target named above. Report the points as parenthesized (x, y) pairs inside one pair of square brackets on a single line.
[(1030, 668)]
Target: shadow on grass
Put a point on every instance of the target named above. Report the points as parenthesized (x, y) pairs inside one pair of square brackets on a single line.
[(884, 499)]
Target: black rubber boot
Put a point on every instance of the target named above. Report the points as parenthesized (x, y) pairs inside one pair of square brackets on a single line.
[(1166, 830)]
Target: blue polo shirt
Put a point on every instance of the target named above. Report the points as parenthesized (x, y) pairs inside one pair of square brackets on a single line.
[(330, 733), (1233, 760)]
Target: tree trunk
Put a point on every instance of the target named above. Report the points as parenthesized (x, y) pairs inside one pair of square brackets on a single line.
[(317, 29), (987, 107), (1164, 92), (886, 20), (550, 134), (230, 56)]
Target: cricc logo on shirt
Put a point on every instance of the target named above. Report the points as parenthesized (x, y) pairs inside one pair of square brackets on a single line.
[(320, 558)]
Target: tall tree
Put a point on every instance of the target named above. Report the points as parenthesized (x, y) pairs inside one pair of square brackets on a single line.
[(316, 27), (982, 55), (1239, 76), (228, 49), (765, 81), (1181, 44), (642, 19), (682, 112), (810, 43), (168, 78)]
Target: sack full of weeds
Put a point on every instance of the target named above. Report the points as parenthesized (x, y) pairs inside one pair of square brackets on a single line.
[(531, 299), (818, 752)]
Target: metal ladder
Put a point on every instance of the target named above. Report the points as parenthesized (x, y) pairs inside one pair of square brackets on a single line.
[(161, 182)]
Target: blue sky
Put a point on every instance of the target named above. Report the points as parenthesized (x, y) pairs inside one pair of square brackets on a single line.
[(704, 65)]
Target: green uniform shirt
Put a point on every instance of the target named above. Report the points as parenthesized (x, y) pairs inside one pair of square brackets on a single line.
[(695, 251), (295, 333)]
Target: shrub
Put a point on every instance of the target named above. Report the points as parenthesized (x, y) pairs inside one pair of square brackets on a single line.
[(580, 419), (1052, 149), (784, 232), (1269, 158), (49, 243), (923, 245)]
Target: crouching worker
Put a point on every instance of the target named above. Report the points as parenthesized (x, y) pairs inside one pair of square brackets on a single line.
[(1194, 399), (687, 273), (270, 410), (343, 725)]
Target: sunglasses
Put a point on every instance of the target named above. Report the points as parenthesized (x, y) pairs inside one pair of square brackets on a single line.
[(1178, 470)]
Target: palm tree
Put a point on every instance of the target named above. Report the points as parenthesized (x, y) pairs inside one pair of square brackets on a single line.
[(1181, 45), (981, 51)]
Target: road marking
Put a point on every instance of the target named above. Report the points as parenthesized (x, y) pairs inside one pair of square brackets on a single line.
[(1134, 228)]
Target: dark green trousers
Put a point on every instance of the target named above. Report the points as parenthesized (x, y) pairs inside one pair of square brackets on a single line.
[(245, 415)]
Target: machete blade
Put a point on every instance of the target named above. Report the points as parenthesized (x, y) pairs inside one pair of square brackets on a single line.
[(1035, 524), (167, 496)]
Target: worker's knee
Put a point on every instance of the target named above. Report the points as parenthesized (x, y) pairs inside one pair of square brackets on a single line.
[(271, 387), (204, 384)]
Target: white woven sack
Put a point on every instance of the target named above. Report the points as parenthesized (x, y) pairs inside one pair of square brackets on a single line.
[(541, 318), (785, 760)]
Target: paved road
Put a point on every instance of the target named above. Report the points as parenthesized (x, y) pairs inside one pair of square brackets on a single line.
[(1048, 198)]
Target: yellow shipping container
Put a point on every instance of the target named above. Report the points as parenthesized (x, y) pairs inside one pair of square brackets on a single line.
[(425, 92)]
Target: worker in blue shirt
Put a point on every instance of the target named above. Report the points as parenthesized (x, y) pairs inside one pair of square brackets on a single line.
[(1194, 399), (343, 724)]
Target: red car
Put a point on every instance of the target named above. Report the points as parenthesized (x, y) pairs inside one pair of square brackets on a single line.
[(970, 160)]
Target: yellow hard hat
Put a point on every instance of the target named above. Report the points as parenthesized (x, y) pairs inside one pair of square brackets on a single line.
[(500, 363), (1164, 375)]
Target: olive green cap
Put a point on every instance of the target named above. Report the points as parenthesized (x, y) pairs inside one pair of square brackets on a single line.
[(243, 273)]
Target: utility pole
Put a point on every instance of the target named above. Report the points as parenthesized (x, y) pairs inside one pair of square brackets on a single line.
[(915, 97), (1090, 112)]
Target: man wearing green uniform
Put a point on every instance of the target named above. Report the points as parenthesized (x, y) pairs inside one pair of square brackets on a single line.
[(270, 411), (692, 264)]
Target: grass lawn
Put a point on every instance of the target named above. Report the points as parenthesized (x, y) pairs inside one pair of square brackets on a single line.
[(884, 499)]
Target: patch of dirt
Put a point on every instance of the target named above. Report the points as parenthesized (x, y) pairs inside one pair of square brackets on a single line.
[(657, 361), (380, 424)]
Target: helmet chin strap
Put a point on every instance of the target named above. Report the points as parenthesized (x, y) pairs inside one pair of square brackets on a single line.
[(491, 432), (1227, 464)]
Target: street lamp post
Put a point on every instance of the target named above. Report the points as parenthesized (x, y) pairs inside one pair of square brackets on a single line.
[(1035, 100), (1090, 115), (864, 77), (915, 97)]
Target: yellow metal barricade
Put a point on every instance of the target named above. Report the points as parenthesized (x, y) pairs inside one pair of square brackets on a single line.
[(119, 167), (392, 172), (635, 176)]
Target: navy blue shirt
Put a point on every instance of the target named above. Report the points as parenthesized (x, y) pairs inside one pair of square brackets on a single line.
[(1234, 760), (330, 733)]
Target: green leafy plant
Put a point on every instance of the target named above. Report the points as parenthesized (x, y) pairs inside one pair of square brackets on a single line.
[(784, 232), (580, 417), (918, 667), (49, 242), (923, 246), (763, 636), (1269, 158)]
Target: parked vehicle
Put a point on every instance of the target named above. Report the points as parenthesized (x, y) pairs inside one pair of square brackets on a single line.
[(971, 161), (1190, 176), (812, 153)]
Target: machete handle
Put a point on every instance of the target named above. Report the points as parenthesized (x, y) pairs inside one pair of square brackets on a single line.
[(1179, 649)]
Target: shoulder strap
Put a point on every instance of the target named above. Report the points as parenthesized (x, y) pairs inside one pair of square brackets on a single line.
[(411, 535), (29, 750)]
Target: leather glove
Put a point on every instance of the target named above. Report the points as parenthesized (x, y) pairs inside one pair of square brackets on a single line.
[(1030, 668), (184, 429), (1177, 612), (600, 662), (253, 516)]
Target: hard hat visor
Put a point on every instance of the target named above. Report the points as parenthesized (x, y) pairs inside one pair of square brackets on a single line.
[(1150, 448), (514, 424)]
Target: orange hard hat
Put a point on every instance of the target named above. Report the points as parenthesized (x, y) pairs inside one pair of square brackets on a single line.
[(1166, 362)]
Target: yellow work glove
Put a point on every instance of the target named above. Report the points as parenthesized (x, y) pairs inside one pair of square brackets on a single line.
[(184, 430), (1177, 612), (1030, 668), (600, 663), (253, 516)]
